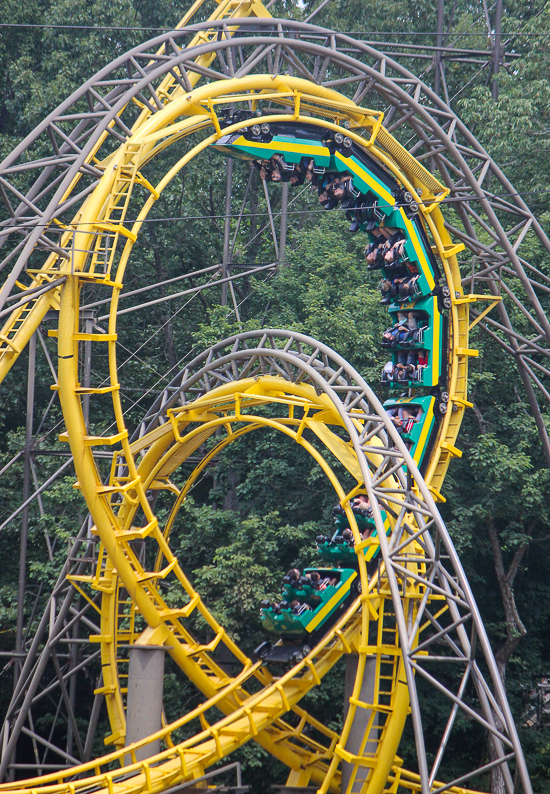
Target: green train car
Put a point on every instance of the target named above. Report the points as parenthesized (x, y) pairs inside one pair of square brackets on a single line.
[(334, 153), (425, 345), (340, 551), (418, 433), (320, 604), (377, 204)]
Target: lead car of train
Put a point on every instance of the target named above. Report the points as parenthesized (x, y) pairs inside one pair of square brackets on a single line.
[(414, 291), (376, 204), (313, 601)]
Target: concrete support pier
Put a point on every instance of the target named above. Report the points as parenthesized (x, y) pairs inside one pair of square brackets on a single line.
[(276, 789), (362, 716), (144, 700)]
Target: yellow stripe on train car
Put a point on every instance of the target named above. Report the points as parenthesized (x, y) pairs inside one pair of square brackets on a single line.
[(329, 606), (363, 174), (436, 341), (280, 146), (419, 248), (426, 426)]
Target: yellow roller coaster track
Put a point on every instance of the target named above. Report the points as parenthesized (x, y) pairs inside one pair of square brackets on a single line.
[(248, 715), (132, 607), (98, 226)]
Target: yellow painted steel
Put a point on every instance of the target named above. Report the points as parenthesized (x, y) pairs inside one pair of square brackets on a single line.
[(122, 513), (260, 715), (159, 131), (21, 325)]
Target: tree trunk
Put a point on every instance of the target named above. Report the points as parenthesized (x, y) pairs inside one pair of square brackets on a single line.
[(169, 346), (515, 630), (230, 498)]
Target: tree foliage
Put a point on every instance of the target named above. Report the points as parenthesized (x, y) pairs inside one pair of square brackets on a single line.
[(257, 510)]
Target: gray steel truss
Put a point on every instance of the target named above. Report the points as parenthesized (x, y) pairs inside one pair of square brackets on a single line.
[(484, 211), (52, 657), (452, 657)]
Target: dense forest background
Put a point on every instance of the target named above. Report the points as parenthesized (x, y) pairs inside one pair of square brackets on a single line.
[(259, 508)]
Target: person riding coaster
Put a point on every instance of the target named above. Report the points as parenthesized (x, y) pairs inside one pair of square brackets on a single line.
[(406, 332), (374, 253), (310, 605), (407, 366), (404, 417), (361, 510), (400, 288), (334, 188), (340, 546)]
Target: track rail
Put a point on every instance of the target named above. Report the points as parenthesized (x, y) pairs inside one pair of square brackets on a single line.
[(99, 229), (87, 190), (484, 199), (406, 601)]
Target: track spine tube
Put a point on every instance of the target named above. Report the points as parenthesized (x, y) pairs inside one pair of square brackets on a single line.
[(104, 519)]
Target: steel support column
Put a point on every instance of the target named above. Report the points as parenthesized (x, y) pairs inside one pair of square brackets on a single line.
[(439, 45), (497, 48), (284, 223), (361, 721), (227, 227), (25, 512)]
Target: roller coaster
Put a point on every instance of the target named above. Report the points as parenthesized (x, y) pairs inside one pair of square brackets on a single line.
[(302, 104)]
